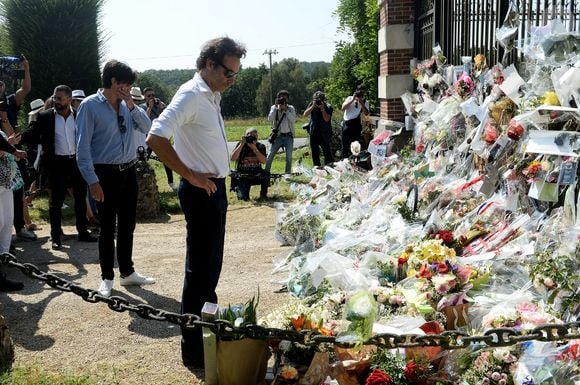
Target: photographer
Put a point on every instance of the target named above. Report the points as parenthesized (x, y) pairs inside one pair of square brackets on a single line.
[(320, 129), (153, 106), (353, 107), (282, 116), (249, 156)]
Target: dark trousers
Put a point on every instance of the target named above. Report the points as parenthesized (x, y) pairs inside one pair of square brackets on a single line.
[(206, 226), (117, 212), (243, 186), (351, 131), (63, 174), (317, 139)]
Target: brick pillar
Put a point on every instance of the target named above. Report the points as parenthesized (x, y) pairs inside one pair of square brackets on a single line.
[(396, 49)]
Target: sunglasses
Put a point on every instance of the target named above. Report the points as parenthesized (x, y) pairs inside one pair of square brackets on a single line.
[(228, 73), (121, 124), (150, 96)]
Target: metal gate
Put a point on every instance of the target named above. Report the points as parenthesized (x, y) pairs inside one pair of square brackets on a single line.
[(467, 27)]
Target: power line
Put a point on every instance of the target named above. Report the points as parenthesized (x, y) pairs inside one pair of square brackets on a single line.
[(253, 49)]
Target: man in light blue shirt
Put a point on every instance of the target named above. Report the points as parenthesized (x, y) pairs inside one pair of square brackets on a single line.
[(106, 155)]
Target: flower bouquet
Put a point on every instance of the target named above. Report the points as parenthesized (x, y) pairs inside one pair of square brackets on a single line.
[(240, 360)]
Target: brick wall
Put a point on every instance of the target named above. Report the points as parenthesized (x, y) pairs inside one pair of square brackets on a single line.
[(399, 11), (395, 62), (393, 109)]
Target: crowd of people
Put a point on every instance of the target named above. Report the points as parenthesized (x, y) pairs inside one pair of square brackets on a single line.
[(86, 146)]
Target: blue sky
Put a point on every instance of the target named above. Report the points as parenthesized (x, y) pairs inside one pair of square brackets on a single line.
[(168, 34)]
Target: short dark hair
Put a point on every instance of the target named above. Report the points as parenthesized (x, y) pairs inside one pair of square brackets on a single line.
[(63, 88), (118, 70), (147, 89), (216, 49)]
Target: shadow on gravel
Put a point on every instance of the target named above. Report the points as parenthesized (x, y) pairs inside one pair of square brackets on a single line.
[(153, 328), (23, 317)]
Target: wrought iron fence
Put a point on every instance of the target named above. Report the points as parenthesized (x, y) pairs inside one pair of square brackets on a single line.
[(467, 27)]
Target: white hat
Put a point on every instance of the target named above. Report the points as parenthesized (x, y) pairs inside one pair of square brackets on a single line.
[(35, 105), (78, 94), (136, 93)]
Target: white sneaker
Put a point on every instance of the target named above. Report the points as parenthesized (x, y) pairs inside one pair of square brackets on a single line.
[(106, 287), (136, 279)]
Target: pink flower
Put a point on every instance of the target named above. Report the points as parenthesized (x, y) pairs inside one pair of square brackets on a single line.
[(527, 307), (463, 274)]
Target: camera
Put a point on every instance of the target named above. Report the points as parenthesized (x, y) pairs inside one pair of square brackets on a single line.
[(318, 102), (10, 67), (250, 138), (156, 101), (358, 94), (281, 100)]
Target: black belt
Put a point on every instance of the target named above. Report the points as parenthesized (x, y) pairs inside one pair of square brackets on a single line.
[(117, 167), (286, 134), (73, 156)]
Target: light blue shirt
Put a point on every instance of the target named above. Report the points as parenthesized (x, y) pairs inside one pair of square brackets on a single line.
[(99, 136)]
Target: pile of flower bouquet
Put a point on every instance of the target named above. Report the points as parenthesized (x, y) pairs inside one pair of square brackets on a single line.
[(475, 227)]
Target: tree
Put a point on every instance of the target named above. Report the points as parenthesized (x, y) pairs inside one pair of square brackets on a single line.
[(355, 63), (147, 79), (288, 74), (239, 99), (60, 38)]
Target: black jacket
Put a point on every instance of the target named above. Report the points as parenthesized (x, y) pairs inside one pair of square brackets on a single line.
[(42, 132)]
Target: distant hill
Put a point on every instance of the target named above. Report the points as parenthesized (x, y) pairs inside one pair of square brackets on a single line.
[(172, 79)]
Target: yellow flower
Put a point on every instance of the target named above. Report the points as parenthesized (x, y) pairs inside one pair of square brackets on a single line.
[(550, 98)]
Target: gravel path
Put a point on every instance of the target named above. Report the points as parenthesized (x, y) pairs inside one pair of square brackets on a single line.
[(59, 332)]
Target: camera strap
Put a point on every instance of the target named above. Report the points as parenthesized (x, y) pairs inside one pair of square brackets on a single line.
[(278, 121)]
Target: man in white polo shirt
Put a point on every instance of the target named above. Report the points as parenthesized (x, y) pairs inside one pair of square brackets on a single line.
[(202, 159)]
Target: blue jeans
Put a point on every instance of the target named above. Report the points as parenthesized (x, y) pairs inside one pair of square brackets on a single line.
[(286, 141)]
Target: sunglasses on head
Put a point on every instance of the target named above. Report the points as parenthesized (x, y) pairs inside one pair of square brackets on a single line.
[(228, 73), (121, 124)]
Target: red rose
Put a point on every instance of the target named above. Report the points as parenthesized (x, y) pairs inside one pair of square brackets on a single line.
[(378, 377), (402, 261), (442, 267), (446, 236), (411, 371)]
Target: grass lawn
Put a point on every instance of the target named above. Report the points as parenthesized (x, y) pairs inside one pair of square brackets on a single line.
[(279, 191), (235, 129)]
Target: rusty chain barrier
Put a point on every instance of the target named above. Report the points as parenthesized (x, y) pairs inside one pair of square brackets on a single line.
[(453, 339)]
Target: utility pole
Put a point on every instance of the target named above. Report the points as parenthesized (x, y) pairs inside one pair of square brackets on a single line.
[(270, 52)]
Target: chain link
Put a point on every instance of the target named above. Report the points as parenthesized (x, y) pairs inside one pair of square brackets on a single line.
[(453, 339)]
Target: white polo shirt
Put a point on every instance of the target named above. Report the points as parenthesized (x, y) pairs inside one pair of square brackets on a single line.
[(195, 121)]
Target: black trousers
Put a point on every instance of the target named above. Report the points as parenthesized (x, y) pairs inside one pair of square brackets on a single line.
[(64, 173), (351, 131), (317, 139), (206, 227), (117, 212)]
